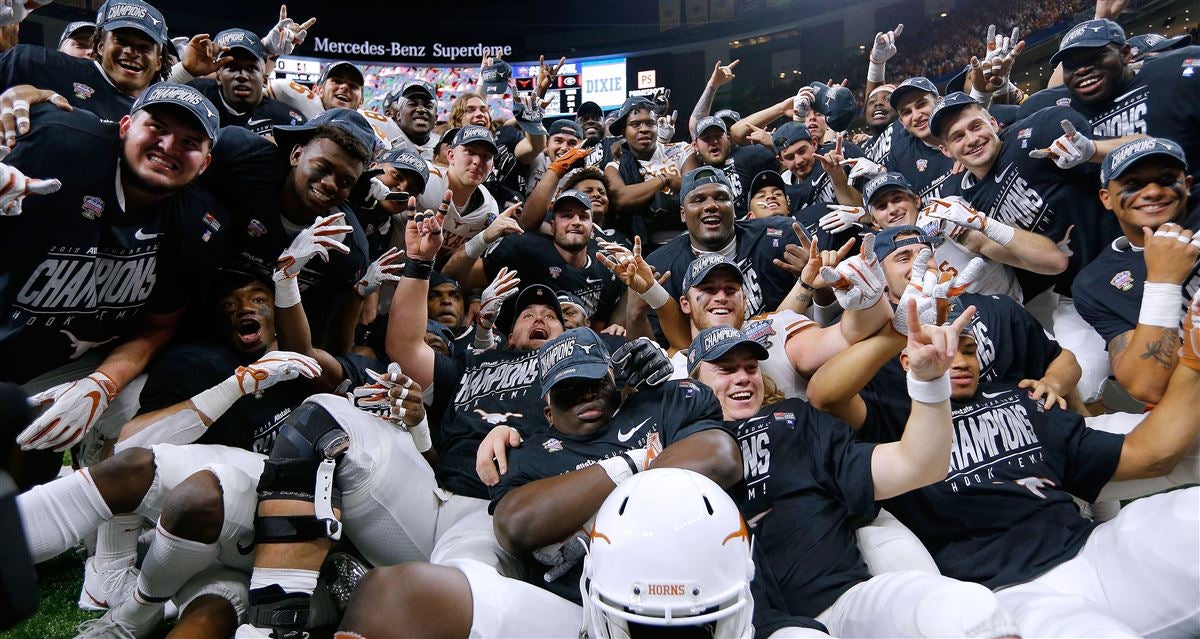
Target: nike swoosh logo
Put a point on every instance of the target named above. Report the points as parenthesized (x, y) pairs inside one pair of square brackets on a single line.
[(140, 235), (258, 121), (1000, 178), (1126, 95), (595, 281), (992, 395), (102, 604), (624, 435)]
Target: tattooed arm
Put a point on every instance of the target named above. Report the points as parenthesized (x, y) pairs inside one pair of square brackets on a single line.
[(1142, 360)]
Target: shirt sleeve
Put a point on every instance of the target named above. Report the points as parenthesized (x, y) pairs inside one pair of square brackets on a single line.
[(1091, 456), (698, 407), (1111, 314)]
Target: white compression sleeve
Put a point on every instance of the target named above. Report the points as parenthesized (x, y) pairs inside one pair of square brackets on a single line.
[(183, 427)]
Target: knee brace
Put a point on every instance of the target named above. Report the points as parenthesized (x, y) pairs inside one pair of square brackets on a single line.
[(301, 468)]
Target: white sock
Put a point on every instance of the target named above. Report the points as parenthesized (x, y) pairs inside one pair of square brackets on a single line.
[(290, 579), (59, 514), (170, 563), (117, 542)]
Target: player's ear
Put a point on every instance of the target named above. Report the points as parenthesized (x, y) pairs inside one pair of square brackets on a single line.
[(546, 410), (685, 306), (1104, 198), (205, 163), (1187, 181), (123, 127), (904, 359), (1126, 53), (294, 158), (945, 151)]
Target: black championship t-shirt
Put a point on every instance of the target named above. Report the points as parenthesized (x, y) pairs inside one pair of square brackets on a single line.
[(1108, 292), (82, 82), (925, 167), (1035, 195), (249, 173), (807, 487), (759, 241), (472, 396), (533, 256), (1004, 514), (673, 411), (260, 120), (1162, 100), (879, 147), (76, 270)]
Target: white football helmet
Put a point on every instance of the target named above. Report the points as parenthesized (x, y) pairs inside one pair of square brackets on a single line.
[(669, 548)]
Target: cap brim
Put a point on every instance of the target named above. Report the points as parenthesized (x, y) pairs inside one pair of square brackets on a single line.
[(210, 128), (1082, 44), (133, 24), (344, 65), (767, 180), (490, 145), (938, 119), (593, 370), (1121, 169), (759, 351), (290, 135), (495, 88), (901, 91), (714, 125), (261, 55)]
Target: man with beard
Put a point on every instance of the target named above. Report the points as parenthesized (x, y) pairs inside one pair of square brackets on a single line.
[(127, 56), (413, 108), (752, 244), (238, 88), (645, 178), (562, 260), (301, 185), (1132, 293), (1162, 99), (113, 273), (715, 148)]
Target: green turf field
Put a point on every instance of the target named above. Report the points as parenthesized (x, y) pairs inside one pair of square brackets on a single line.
[(58, 594)]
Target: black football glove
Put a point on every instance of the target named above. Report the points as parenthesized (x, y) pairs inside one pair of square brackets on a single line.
[(642, 363)]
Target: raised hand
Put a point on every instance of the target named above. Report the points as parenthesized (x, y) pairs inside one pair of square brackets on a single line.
[(286, 35), (863, 168), (858, 282), (385, 269), (931, 348), (1068, 150), (73, 409), (569, 157), (315, 240), (423, 230), (1170, 253), (642, 363), (722, 74), (201, 56), (760, 136), (842, 218), (15, 186), (272, 368), (547, 74), (504, 225), (884, 46), (628, 266), (666, 127), (392, 396), (932, 290), (503, 287)]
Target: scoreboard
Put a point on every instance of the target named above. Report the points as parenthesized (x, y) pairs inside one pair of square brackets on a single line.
[(565, 95)]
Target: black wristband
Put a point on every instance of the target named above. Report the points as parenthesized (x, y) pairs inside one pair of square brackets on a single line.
[(807, 287), (418, 269), (629, 460)]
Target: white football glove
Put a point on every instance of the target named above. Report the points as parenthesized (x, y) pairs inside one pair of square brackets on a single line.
[(374, 398), (377, 189), (286, 35), (14, 186), (1068, 150), (384, 269), (858, 282), (666, 127), (841, 218), (863, 168), (885, 45), (74, 408), (957, 211), (932, 289), (317, 239), (503, 287), (272, 368)]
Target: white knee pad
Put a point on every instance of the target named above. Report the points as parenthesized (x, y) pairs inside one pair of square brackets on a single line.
[(952, 608)]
